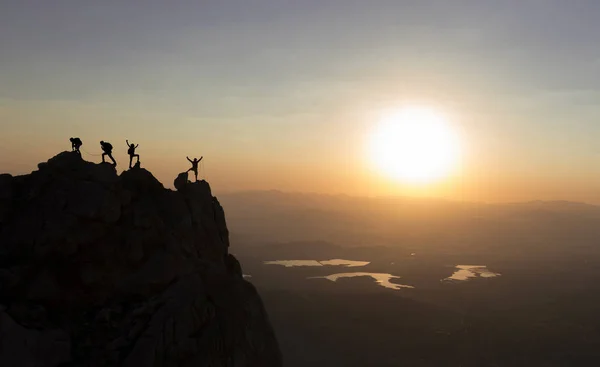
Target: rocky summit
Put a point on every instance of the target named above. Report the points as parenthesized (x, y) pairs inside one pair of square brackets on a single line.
[(101, 269)]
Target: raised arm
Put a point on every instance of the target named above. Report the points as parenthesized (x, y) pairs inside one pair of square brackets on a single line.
[(127, 141), (137, 145), (200, 159), (188, 158)]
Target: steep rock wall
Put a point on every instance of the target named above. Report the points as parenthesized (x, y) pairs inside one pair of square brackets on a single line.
[(98, 269)]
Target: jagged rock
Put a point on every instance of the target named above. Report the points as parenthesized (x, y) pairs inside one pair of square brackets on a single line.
[(6, 194), (137, 274), (27, 347), (101, 173), (43, 287), (31, 315), (140, 181), (233, 265), (136, 246), (181, 181), (191, 325), (6, 186), (220, 220), (8, 279)]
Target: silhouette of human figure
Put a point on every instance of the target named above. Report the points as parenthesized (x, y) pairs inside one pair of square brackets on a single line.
[(194, 166), (107, 149), (76, 144), (131, 152)]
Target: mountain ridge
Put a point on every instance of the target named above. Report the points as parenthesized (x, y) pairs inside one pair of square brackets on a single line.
[(100, 269)]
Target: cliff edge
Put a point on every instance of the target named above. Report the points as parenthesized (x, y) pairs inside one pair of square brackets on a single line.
[(100, 269)]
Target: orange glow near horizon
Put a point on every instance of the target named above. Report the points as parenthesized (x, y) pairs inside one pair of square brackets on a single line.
[(306, 156)]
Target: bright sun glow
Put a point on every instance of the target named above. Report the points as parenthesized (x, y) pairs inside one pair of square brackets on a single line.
[(415, 144)]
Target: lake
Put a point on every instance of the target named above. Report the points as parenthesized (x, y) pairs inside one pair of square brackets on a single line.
[(383, 279), (466, 272), (333, 262)]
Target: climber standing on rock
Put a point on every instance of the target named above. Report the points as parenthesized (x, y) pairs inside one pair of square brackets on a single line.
[(107, 149), (194, 166), (131, 152), (76, 144)]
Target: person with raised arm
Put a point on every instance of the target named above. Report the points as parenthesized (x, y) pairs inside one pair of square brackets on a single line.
[(131, 151), (194, 168)]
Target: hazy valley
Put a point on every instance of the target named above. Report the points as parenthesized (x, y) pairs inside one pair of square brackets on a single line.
[(533, 305)]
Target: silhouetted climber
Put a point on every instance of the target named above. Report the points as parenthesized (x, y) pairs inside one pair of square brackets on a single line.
[(107, 149), (76, 144), (194, 166), (131, 152)]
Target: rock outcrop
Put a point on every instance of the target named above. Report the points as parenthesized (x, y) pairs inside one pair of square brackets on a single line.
[(98, 269)]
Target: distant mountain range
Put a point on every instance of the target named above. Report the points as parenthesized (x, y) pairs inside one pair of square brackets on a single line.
[(263, 217)]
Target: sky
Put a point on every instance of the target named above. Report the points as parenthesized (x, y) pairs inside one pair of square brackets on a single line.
[(282, 94)]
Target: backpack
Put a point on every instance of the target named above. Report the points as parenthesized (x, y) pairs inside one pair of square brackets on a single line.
[(107, 147)]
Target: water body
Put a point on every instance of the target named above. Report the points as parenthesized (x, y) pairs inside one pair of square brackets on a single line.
[(346, 263), (383, 279), (466, 272), (333, 262)]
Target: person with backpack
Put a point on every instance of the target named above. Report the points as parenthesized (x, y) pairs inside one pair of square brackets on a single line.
[(107, 149), (131, 152), (194, 166), (76, 143)]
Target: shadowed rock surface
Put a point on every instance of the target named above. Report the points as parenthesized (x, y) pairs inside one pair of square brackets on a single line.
[(98, 269)]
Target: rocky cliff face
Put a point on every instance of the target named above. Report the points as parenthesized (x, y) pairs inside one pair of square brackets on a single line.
[(98, 269)]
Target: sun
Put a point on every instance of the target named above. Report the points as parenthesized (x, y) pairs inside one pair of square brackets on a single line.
[(415, 144)]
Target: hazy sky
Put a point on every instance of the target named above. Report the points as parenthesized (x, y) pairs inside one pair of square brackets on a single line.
[(281, 94)]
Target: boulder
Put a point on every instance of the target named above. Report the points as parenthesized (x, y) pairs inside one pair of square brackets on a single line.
[(181, 181)]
